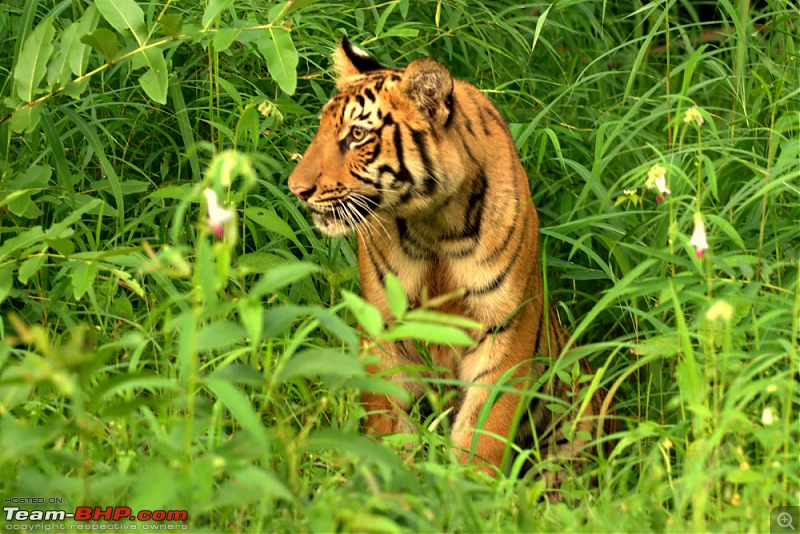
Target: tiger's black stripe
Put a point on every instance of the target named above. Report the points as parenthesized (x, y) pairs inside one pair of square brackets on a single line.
[(491, 287), (429, 180), (474, 215), (411, 246), (381, 263), (403, 175)]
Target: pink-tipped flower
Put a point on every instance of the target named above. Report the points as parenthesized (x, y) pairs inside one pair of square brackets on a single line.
[(698, 240), (217, 215), (657, 179)]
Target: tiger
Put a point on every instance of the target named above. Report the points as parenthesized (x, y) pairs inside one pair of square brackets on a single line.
[(424, 170)]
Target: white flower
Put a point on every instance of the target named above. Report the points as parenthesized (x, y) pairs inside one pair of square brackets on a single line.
[(693, 115), (217, 215), (698, 240), (767, 417), (657, 179)]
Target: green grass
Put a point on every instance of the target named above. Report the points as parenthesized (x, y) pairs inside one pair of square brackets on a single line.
[(144, 363)]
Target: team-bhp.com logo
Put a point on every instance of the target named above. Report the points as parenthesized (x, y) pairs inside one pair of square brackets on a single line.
[(86, 518)]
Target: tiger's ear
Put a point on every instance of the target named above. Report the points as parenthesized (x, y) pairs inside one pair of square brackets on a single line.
[(429, 85), (350, 61)]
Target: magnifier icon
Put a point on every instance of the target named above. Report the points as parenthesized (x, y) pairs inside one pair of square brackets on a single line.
[(785, 520)]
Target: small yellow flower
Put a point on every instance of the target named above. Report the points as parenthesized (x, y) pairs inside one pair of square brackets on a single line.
[(657, 179), (266, 108), (630, 196), (667, 444), (693, 116), (744, 466)]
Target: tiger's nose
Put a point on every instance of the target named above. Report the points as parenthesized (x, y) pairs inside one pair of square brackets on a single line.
[(301, 191)]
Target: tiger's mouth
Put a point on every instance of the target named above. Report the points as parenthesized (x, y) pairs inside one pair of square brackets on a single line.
[(338, 216)]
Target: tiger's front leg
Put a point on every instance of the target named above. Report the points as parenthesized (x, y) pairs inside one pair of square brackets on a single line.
[(387, 414), (483, 370)]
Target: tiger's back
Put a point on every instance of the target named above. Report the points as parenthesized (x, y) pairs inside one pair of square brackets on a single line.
[(424, 169)]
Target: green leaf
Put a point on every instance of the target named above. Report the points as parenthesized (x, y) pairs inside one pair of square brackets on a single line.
[(30, 267), (249, 124), (224, 38), (239, 405), (728, 229), (130, 382), (265, 217), (355, 446), (23, 187), (172, 192), (336, 326), (278, 49), (83, 276), (219, 335), (239, 373), (124, 15), (252, 317), (32, 65), (446, 335), (396, 296), (377, 384), (128, 279), (315, 362), (22, 206), (35, 177), (366, 314), (27, 118), (79, 52), (58, 71), (297, 4), (6, 281), (258, 262), (156, 486), (172, 24), (281, 276), (213, 9), (57, 229), (204, 272), (154, 81), (104, 42), (65, 247), (23, 240), (265, 483), (430, 316)]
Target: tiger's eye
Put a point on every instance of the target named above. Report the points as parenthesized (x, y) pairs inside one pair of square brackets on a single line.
[(358, 133)]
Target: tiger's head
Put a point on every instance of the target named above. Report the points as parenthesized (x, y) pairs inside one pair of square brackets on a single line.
[(381, 145)]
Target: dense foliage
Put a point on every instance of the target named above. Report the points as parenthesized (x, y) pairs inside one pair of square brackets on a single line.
[(147, 362)]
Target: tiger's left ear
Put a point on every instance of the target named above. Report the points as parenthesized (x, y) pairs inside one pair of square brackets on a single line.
[(429, 85), (350, 61)]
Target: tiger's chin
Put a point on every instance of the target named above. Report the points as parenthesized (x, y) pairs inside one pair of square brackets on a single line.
[(332, 226)]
